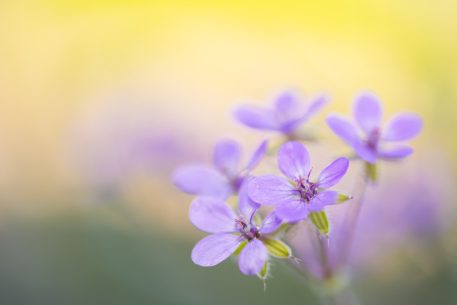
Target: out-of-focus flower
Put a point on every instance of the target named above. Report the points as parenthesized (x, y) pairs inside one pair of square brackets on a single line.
[(417, 210), (225, 178), (235, 232), (112, 140), (369, 142), (296, 196), (286, 115)]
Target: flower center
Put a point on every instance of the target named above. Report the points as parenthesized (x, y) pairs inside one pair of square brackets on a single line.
[(373, 139), (236, 182), (248, 231), (306, 189)]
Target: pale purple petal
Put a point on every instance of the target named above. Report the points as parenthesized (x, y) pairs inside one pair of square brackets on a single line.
[(256, 117), (227, 157), (333, 173), (214, 249), (367, 112), (200, 180), (399, 152), (287, 106), (315, 106), (246, 206), (403, 126), (289, 111), (257, 156), (288, 127), (270, 190), (343, 128), (297, 113), (323, 199), (212, 215), (296, 119), (294, 160), (270, 224), (292, 211), (252, 257), (364, 152)]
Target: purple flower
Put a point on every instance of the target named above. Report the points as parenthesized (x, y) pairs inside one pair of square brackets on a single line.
[(222, 180), (369, 142), (231, 231), (286, 115), (296, 196)]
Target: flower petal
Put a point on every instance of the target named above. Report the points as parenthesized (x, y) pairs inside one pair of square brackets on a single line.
[(343, 128), (257, 156), (252, 257), (204, 181), (214, 249), (332, 174), (367, 112), (293, 160), (289, 111), (270, 190), (299, 116), (287, 106), (246, 206), (292, 211), (256, 117), (364, 152), (323, 199), (399, 152), (315, 106), (227, 157), (403, 126), (212, 215), (270, 223)]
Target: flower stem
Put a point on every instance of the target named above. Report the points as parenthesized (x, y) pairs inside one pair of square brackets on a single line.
[(333, 288), (324, 255), (352, 217)]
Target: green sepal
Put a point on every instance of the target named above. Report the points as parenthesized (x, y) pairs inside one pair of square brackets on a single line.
[(263, 274), (277, 248), (372, 172), (240, 247), (342, 198), (320, 221)]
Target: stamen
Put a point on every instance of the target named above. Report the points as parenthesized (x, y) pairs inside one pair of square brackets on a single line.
[(306, 188), (248, 231), (373, 139)]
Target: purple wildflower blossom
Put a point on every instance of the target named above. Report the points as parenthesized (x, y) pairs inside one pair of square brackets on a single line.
[(296, 196), (287, 114), (227, 176), (370, 146), (229, 230)]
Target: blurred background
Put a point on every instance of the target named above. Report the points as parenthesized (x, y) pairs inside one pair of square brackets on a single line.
[(101, 100)]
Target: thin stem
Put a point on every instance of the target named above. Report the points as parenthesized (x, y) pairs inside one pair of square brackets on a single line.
[(333, 289), (324, 255), (352, 217)]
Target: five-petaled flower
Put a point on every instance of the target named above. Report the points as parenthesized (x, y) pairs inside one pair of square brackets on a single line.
[(297, 195), (286, 116), (232, 231), (369, 143), (227, 176)]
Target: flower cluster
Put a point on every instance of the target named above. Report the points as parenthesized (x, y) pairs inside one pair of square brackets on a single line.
[(268, 205)]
